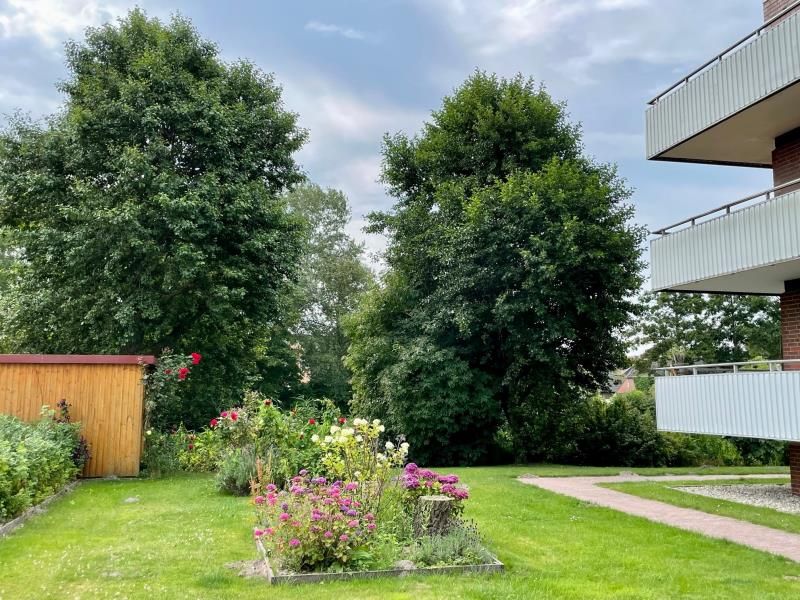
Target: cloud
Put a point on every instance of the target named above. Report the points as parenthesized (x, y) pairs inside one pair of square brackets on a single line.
[(346, 32), (50, 21)]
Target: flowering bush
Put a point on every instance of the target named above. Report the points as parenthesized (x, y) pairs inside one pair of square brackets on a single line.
[(418, 482), (315, 525), (161, 391), (358, 453)]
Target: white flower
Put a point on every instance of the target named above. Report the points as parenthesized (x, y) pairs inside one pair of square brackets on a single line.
[(381, 457), (348, 431), (149, 432), (376, 422), (334, 428), (404, 446), (389, 446), (359, 438), (315, 438), (381, 428), (328, 439), (359, 422), (357, 474)]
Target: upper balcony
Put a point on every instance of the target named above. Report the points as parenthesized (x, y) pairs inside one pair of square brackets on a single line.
[(730, 110), (750, 246)]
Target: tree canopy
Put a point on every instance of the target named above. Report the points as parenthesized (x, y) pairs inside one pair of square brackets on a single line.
[(511, 264), (150, 211)]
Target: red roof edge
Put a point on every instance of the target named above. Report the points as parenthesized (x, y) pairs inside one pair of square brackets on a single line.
[(77, 359)]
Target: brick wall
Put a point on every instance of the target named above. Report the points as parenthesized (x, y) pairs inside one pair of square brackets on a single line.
[(790, 340), (786, 160), (773, 7)]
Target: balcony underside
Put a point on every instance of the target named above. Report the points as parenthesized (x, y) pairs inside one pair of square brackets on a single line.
[(745, 139), (731, 112), (754, 404), (749, 251)]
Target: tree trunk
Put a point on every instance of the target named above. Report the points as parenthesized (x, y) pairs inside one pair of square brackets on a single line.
[(433, 515)]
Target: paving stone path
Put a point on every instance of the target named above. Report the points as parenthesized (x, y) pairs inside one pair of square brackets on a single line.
[(759, 537)]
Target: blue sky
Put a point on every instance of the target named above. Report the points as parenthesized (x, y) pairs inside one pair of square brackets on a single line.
[(354, 69)]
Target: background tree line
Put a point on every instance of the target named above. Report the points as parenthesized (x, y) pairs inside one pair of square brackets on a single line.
[(163, 207)]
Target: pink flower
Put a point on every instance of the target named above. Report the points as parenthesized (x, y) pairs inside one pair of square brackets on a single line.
[(213, 423), (294, 542), (328, 534), (351, 486), (370, 526), (295, 523), (343, 537), (353, 523), (269, 531), (285, 517), (234, 415), (223, 414), (259, 499), (271, 487), (369, 517), (196, 358), (258, 533)]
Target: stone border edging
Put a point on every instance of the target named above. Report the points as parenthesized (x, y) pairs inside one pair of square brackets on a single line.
[(493, 567), (7, 528)]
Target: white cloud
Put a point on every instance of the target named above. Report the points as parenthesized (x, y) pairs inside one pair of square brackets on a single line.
[(347, 32), (52, 20)]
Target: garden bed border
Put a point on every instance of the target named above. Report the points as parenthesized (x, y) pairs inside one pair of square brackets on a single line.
[(7, 528), (492, 567)]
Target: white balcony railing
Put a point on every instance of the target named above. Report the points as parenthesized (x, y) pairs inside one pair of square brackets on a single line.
[(701, 118), (751, 246), (754, 399)]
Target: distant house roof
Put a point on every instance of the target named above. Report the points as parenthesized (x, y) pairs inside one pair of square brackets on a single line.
[(621, 381)]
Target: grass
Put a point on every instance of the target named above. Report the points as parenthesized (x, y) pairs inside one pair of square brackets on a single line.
[(174, 543), (572, 471), (655, 490)]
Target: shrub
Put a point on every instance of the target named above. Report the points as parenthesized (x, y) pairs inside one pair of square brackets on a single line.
[(36, 460), (461, 546), (418, 482), (160, 455), (316, 525), (236, 471)]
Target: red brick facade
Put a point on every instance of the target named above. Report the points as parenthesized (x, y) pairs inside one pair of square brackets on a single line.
[(786, 160), (794, 466), (773, 7)]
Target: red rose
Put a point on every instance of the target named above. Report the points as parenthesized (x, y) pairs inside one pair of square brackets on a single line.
[(167, 371), (342, 420), (234, 416), (312, 421), (267, 402), (196, 358), (213, 422), (223, 414), (182, 373)]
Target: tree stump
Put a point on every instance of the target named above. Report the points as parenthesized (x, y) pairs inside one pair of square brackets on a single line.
[(433, 515)]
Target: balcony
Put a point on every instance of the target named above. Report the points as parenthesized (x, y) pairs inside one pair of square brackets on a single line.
[(730, 110), (750, 246), (758, 400)]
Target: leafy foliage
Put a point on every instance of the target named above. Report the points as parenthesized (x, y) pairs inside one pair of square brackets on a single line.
[(511, 260), (333, 278), (692, 328), (149, 213)]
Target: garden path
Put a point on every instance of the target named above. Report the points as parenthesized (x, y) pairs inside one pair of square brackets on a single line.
[(759, 537)]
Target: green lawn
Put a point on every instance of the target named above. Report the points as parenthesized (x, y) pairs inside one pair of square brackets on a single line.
[(663, 491), (174, 542)]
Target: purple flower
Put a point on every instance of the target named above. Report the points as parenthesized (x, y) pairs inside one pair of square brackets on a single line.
[(448, 479), (294, 542), (426, 474), (352, 513), (411, 468), (369, 517), (410, 482), (303, 472), (259, 499), (328, 534), (271, 487), (351, 486), (284, 506), (353, 523), (461, 494), (448, 488), (370, 526)]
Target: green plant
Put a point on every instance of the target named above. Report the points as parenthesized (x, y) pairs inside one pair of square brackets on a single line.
[(36, 460), (236, 471), (461, 546), (162, 399), (160, 455)]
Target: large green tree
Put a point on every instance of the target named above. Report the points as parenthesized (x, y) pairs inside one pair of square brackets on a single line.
[(511, 260), (150, 211), (692, 328), (333, 278)]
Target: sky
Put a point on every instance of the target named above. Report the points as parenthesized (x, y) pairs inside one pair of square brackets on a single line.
[(355, 69)]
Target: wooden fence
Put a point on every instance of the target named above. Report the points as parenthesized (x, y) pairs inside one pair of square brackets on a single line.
[(107, 397)]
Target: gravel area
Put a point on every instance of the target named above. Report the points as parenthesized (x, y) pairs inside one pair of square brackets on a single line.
[(776, 496)]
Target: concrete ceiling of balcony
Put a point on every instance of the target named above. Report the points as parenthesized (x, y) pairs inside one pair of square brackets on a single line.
[(747, 137), (768, 280)]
